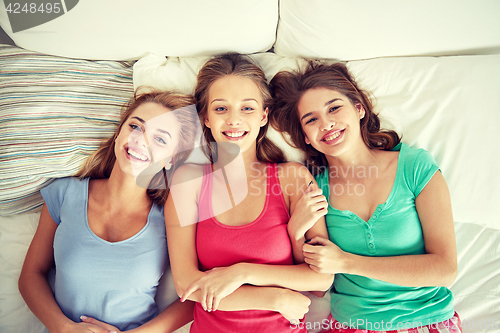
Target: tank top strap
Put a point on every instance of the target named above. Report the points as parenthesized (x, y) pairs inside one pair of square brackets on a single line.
[(205, 200), (274, 192)]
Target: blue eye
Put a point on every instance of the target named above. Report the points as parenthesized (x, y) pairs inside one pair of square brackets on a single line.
[(220, 109), (248, 108), (334, 108), (160, 140)]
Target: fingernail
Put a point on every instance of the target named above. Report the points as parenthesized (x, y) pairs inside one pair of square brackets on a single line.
[(83, 318)]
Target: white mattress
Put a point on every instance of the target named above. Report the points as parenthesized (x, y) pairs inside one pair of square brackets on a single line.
[(476, 290)]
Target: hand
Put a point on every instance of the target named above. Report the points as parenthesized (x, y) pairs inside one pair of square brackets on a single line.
[(216, 284), (323, 256), (311, 206), (293, 305), (98, 326)]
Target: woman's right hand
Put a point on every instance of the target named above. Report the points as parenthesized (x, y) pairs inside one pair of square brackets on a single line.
[(293, 305), (84, 327), (311, 206)]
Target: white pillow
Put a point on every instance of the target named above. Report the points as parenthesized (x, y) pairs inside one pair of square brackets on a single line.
[(362, 29), (450, 107), (179, 73), (128, 29), (447, 105)]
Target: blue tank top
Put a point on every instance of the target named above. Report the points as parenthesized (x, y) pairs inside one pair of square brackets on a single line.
[(112, 282)]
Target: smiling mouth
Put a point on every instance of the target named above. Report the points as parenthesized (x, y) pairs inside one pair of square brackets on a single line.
[(332, 136), (135, 155), (235, 135)]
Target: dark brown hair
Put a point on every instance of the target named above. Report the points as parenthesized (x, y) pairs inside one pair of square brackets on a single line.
[(287, 89), (101, 162), (239, 65)]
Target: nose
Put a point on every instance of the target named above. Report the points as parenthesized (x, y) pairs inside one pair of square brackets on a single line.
[(140, 139), (327, 124), (233, 118)]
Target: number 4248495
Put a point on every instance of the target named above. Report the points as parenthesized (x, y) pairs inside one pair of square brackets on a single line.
[(15, 8)]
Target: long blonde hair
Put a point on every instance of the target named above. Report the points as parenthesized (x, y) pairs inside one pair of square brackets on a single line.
[(100, 164)]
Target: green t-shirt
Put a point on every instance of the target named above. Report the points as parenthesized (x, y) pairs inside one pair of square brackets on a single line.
[(393, 229)]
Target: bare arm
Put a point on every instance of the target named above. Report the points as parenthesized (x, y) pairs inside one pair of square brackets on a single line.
[(438, 267), (307, 207), (33, 283), (172, 318)]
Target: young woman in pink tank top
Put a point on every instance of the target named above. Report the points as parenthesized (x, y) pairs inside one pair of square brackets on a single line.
[(242, 220)]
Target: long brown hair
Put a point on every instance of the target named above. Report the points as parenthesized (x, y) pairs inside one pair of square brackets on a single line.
[(101, 162), (234, 64), (287, 89)]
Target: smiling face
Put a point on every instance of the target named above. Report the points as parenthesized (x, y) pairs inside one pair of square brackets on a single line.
[(150, 134), (235, 111), (330, 121)]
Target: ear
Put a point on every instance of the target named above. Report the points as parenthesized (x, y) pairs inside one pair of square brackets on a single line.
[(264, 119), (307, 140), (167, 166), (361, 110), (207, 123)]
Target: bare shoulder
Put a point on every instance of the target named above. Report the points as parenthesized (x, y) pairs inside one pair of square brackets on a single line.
[(292, 171), (187, 173), (387, 159)]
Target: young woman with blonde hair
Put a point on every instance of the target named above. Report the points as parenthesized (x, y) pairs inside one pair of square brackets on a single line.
[(105, 234)]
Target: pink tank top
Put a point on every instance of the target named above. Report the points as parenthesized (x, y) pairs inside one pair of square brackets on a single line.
[(264, 240)]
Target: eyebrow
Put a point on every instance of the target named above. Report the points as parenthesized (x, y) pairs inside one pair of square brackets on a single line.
[(140, 119), (326, 104), (225, 100), (163, 131), (158, 129)]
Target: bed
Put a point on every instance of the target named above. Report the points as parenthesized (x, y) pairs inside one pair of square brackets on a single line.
[(433, 66)]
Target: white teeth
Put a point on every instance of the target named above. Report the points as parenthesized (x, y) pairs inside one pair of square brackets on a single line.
[(333, 136), (235, 134), (137, 155)]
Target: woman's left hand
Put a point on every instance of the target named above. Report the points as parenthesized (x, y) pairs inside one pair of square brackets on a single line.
[(216, 284), (323, 256), (108, 327)]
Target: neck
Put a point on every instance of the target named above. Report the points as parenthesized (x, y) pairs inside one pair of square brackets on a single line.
[(244, 161), (122, 190), (359, 155)]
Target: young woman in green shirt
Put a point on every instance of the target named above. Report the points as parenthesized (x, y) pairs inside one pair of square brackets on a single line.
[(391, 233)]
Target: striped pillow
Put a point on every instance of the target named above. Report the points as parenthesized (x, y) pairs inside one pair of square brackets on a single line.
[(54, 112)]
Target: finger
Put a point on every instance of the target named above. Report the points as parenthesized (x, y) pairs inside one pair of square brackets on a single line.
[(100, 324), (216, 303), (189, 290), (90, 320), (210, 299), (308, 248), (314, 193), (315, 268), (319, 206), (312, 186), (310, 261), (320, 240)]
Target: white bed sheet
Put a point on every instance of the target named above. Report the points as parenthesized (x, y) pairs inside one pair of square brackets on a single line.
[(476, 290)]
